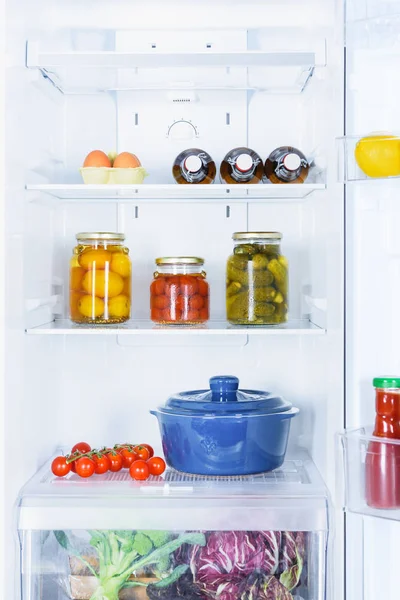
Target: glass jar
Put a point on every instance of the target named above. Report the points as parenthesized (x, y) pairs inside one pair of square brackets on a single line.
[(179, 293), (100, 279), (257, 280)]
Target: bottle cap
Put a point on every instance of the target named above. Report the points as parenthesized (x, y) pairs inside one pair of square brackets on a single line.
[(193, 163), (244, 162), (386, 382), (292, 161)]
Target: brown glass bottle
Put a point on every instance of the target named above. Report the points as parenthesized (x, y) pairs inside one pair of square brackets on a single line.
[(241, 165), (286, 165), (194, 166)]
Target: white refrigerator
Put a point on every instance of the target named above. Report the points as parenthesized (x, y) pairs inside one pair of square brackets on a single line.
[(156, 78)]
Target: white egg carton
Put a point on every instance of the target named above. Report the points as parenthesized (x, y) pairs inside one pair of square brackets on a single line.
[(109, 175)]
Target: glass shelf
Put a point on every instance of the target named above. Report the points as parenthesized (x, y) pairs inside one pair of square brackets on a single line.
[(177, 193), (66, 327), (357, 447), (74, 72), (293, 497)]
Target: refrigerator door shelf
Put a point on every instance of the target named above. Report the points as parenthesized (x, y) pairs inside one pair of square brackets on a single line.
[(374, 146), (360, 450), (293, 497)]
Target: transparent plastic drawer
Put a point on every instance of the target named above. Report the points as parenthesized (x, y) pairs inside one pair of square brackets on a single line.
[(109, 538)]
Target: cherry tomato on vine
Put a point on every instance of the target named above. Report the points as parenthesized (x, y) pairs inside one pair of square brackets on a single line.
[(142, 452), (60, 467), (128, 457), (102, 463), (139, 470), (115, 461), (156, 465), (82, 447), (149, 448), (85, 467)]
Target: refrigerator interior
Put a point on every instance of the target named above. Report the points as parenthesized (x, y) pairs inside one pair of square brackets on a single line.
[(372, 321), (67, 384)]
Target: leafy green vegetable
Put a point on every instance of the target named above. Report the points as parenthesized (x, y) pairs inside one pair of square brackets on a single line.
[(122, 553)]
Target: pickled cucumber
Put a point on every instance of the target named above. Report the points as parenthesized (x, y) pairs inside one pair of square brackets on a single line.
[(238, 307), (239, 262), (233, 288), (260, 261), (264, 310), (247, 249), (280, 275), (266, 294), (237, 275), (262, 278)]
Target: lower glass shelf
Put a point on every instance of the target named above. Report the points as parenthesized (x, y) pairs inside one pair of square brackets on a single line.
[(146, 327), (371, 474)]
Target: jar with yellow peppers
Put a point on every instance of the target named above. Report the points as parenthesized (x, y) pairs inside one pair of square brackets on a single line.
[(100, 279), (257, 280)]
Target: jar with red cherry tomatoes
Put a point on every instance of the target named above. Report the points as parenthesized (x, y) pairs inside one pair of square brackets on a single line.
[(179, 293)]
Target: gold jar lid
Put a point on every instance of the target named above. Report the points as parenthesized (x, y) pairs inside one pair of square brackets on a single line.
[(263, 235), (100, 235), (179, 260)]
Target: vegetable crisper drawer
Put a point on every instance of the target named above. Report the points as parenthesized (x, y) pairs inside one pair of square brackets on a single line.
[(111, 538)]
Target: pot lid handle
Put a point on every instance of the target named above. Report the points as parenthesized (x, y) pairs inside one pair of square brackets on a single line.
[(224, 388)]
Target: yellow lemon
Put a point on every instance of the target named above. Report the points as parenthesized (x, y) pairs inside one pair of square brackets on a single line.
[(378, 155), (119, 306), (96, 258), (90, 306), (103, 283), (74, 298), (120, 264), (75, 278), (127, 287)]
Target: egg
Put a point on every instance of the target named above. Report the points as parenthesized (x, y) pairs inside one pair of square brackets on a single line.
[(126, 160), (97, 158)]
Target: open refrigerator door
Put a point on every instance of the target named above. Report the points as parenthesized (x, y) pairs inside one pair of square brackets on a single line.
[(371, 463), (123, 77)]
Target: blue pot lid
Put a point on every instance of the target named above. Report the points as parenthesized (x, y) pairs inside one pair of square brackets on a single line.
[(224, 397)]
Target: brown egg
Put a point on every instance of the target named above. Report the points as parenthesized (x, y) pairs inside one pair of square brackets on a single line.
[(126, 160), (97, 158)]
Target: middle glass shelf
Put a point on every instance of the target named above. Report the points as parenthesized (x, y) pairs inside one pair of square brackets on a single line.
[(177, 193), (146, 327)]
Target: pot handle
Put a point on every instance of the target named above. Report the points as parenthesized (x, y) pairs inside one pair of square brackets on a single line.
[(224, 388)]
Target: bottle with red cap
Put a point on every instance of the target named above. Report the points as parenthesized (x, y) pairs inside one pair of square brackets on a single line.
[(194, 166), (382, 464), (241, 165), (286, 165)]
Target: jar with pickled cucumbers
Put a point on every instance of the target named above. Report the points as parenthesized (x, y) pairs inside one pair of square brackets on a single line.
[(100, 279), (257, 280), (179, 293)]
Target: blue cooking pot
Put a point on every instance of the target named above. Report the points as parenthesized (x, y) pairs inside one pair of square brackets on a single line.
[(224, 430)]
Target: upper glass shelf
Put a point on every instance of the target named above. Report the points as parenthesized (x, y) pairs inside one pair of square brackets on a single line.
[(175, 193), (97, 71)]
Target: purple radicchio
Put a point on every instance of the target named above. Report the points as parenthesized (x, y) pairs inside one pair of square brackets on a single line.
[(230, 557), (292, 558), (259, 586)]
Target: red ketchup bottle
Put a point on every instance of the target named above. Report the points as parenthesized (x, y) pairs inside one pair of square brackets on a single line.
[(382, 469)]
